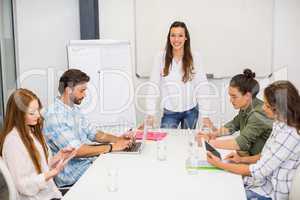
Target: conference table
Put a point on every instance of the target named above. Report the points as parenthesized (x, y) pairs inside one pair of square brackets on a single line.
[(145, 177)]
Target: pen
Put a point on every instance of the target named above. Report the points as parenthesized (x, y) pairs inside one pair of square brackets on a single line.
[(133, 136)]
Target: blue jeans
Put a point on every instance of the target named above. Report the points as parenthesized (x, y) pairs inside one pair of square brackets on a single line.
[(254, 196), (186, 119)]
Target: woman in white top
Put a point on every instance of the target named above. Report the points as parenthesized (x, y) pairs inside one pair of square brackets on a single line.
[(24, 149), (179, 75), (269, 175)]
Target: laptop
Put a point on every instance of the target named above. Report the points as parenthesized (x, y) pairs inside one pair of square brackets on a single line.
[(136, 147)]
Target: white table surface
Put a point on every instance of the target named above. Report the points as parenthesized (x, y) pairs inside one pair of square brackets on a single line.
[(144, 177)]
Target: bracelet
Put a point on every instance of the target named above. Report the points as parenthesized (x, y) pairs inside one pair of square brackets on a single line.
[(110, 148)]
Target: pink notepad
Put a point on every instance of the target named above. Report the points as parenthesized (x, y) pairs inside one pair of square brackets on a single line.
[(152, 135)]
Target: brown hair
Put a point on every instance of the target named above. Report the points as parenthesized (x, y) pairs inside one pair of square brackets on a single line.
[(187, 60), (245, 83), (71, 78), (284, 99), (17, 107)]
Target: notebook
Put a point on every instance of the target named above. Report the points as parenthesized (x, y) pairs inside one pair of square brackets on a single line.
[(151, 135)]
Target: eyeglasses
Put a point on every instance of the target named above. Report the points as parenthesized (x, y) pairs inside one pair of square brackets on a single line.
[(33, 112)]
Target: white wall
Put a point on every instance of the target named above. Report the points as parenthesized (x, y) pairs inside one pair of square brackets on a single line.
[(43, 29), (116, 19), (228, 33), (287, 38), (112, 26)]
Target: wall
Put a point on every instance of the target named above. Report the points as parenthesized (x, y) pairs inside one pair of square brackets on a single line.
[(286, 39), (116, 19), (112, 26), (43, 29), (228, 33)]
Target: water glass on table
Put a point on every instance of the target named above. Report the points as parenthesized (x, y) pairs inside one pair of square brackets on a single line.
[(112, 180), (161, 150)]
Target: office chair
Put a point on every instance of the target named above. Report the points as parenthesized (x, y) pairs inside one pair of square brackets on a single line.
[(64, 189), (12, 192), (295, 192)]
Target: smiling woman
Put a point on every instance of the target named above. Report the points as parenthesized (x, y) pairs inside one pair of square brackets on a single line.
[(178, 47), (178, 73)]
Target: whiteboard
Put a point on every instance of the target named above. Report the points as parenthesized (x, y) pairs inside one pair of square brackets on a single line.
[(110, 92), (229, 34)]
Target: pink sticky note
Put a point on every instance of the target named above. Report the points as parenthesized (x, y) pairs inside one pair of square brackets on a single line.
[(152, 135)]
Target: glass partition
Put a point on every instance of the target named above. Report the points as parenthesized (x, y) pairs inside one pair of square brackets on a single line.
[(7, 55)]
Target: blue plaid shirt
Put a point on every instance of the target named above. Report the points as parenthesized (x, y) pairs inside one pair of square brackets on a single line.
[(273, 173), (66, 126)]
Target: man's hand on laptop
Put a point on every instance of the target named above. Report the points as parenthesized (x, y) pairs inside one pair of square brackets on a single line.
[(129, 136), (121, 145)]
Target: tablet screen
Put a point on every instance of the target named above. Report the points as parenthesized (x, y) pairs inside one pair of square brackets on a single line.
[(212, 150)]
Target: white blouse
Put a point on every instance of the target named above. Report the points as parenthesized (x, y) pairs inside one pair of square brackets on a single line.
[(176, 95), (29, 184)]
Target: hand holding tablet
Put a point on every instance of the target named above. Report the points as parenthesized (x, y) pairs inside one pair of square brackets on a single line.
[(208, 147)]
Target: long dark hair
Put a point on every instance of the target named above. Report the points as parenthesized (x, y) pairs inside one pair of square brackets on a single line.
[(284, 99), (17, 106), (245, 83), (187, 60)]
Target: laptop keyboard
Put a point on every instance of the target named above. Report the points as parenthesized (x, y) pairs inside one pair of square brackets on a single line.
[(134, 147)]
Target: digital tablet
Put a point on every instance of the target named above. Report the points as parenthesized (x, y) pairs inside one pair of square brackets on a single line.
[(211, 149)]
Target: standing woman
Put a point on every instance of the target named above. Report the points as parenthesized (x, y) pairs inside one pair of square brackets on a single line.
[(179, 76), (269, 175), (24, 149)]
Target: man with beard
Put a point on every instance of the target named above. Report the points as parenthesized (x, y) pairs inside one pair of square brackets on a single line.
[(65, 125)]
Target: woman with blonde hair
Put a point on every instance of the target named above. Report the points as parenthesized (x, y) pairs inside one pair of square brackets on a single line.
[(25, 151)]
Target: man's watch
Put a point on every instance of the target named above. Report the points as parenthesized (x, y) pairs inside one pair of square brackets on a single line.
[(110, 148)]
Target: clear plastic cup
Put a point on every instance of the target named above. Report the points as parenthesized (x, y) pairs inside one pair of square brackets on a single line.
[(161, 149), (112, 180)]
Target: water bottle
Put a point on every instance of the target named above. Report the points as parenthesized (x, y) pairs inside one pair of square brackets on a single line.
[(191, 164), (192, 143), (192, 161), (146, 125)]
